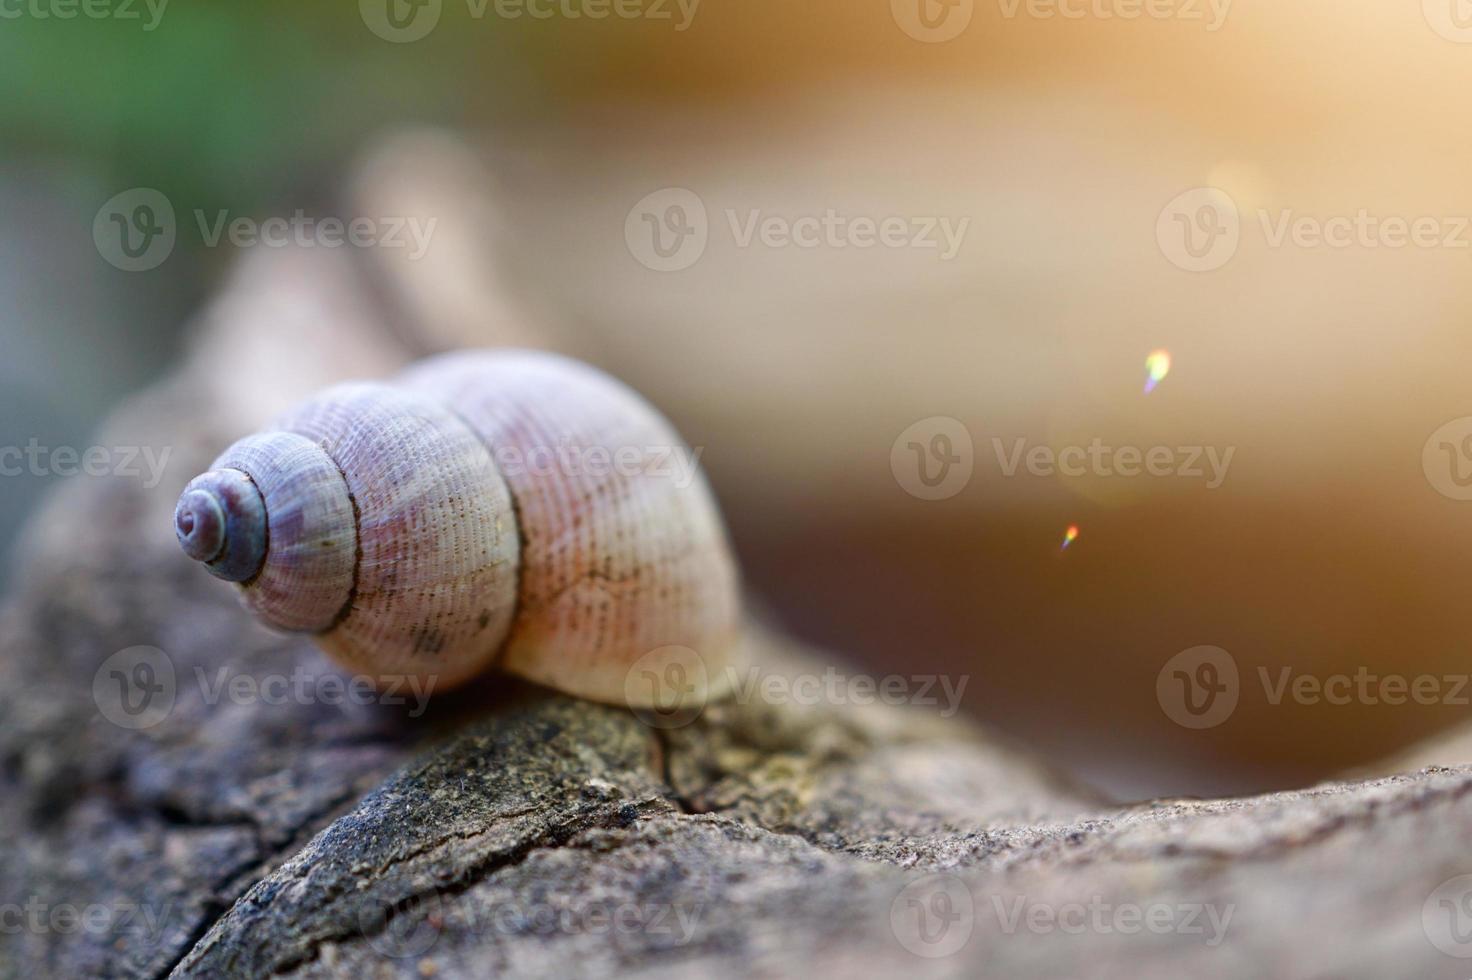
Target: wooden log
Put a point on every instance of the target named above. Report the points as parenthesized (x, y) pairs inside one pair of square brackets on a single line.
[(268, 823)]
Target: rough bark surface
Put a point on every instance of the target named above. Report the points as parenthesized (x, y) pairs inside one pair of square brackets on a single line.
[(509, 830)]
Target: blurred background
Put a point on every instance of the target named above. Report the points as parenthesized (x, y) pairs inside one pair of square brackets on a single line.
[(637, 189)]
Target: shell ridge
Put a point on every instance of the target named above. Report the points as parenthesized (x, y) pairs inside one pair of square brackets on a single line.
[(521, 542), (346, 608), (265, 532)]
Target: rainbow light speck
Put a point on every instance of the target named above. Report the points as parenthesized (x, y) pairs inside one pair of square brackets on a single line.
[(1157, 366), (1069, 536)]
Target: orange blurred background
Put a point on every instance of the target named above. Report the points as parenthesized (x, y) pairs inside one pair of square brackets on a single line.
[(1327, 548)]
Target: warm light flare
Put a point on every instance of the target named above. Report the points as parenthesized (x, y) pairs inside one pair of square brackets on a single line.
[(1069, 536), (1157, 366)]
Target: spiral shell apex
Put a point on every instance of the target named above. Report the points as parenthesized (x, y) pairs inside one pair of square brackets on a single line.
[(511, 510)]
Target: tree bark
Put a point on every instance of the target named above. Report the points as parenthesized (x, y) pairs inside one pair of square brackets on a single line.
[(507, 829)]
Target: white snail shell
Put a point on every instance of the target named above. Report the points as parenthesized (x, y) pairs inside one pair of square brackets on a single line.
[(386, 519)]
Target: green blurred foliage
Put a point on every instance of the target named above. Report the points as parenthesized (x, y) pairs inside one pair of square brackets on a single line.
[(221, 100), (257, 109)]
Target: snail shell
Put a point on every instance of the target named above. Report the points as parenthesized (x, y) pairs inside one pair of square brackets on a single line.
[(484, 509)]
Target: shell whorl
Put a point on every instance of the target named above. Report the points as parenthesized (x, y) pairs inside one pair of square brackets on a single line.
[(408, 527), (303, 577), (221, 521), (618, 562)]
